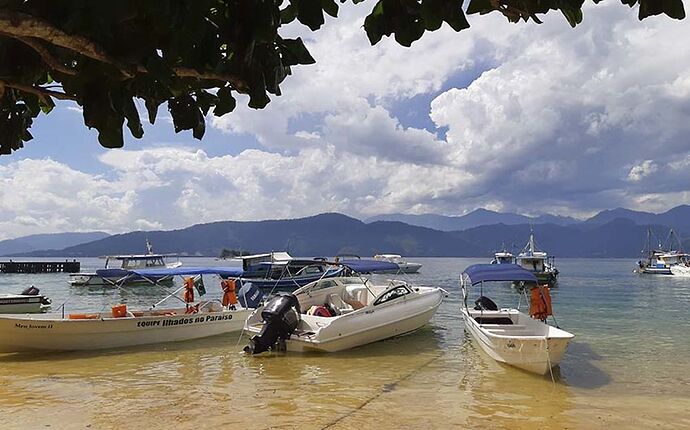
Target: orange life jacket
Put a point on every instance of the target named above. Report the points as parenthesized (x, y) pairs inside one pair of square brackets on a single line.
[(540, 303), (188, 290), (229, 295)]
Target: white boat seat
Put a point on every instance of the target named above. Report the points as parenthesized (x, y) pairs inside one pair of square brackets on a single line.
[(356, 296), (336, 302)]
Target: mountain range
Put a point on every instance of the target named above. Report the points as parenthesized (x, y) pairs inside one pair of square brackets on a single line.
[(615, 233), (58, 241)]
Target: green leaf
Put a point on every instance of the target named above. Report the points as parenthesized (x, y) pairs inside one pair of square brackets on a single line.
[(288, 14), (294, 52), (310, 14), (479, 6), (152, 108), (132, 114)]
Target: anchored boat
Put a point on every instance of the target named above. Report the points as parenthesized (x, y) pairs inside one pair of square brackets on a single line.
[(109, 276), (340, 313), (404, 266), (508, 335), (538, 262), (30, 301), (279, 271), (124, 327), (661, 261)]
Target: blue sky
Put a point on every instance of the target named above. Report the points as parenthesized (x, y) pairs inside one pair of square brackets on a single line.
[(530, 119)]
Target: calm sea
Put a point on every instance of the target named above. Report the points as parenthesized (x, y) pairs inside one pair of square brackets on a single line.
[(628, 367)]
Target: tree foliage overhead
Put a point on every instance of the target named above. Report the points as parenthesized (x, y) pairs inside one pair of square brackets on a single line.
[(195, 56)]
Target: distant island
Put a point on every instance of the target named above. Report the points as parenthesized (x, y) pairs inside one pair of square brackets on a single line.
[(611, 233)]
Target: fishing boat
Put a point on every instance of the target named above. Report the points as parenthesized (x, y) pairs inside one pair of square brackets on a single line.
[(509, 335), (538, 262), (660, 260), (341, 313), (280, 272), (109, 275), (404, 266), (123, 327), (30, 301)]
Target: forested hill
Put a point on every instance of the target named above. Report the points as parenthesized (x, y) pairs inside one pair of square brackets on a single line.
[(331, 234)]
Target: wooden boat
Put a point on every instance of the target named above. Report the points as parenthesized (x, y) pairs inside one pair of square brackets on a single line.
[(122, 327), (508, 335), (336, 314)]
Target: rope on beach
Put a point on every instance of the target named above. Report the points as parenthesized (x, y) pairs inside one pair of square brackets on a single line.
[(386, 388)]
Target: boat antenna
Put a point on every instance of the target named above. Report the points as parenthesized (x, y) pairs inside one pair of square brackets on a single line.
[(149, 248)]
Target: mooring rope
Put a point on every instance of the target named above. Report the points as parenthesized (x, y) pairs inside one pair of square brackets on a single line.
[(380, 393)]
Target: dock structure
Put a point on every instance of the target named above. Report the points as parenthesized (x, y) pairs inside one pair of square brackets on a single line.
[(40, 266)]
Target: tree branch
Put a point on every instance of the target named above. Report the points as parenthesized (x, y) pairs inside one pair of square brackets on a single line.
[(21, 26), (46, 55), (38, 91)]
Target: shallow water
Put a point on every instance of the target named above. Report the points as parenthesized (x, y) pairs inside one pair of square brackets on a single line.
[(628, 367)]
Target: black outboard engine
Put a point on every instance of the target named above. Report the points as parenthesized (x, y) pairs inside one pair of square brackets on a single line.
[(31, 291), (485, 303), (281, 315)]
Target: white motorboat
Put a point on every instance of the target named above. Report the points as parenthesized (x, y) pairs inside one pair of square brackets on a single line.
[(28, 302), (109, 275), (403, 265), (503, 257), (537, 262), (508, 335), (336, 314), (123, 327)]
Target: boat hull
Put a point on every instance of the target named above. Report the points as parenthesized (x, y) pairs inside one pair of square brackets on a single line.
[(649, 270), (403, 268), (92, 279), (24, 334), (533, 353), (679, 270), (23, 304)]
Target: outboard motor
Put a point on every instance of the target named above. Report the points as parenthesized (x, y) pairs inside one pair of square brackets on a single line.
[(31, 291), (249, 296), (485, 303), (280, 315)]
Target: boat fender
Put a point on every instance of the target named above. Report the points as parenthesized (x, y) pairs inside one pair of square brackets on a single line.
[(485, 303)]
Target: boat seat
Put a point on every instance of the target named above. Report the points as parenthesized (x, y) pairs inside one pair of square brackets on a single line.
[(357, 297), (336, 302), (494, 320)]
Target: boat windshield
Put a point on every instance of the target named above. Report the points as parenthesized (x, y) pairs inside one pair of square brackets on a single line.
[(393, 294)]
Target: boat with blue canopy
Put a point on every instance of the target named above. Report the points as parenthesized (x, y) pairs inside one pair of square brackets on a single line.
[(506, 334), (196, 317)]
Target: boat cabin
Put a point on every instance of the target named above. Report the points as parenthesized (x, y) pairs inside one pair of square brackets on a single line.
[(503, 258), (143, 261)]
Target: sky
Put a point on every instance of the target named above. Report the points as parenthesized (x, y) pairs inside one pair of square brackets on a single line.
[(520, 118)]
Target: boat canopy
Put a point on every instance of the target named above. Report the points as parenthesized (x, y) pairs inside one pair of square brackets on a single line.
[(498, 272), (228, 272), (369, 266)]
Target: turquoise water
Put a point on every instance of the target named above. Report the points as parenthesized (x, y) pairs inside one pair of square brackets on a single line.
[(630, 358)]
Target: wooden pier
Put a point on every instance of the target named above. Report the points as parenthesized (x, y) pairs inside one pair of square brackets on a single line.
[(39, 266)]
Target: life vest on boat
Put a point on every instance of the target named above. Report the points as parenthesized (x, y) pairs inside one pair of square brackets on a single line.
[(540, 303), (188, 290), (229, 295), (319, 311)]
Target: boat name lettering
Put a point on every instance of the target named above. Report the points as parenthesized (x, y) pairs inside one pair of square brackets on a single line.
[(184, 321), (30, 326)]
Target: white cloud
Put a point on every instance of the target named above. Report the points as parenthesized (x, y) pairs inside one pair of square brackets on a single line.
[(642, 170)]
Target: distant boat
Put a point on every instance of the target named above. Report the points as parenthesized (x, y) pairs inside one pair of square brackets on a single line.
[(537, 262), (403, 265), (503, 257), (659, 261), (28, 302), (508, 335), (280, 271), (110, 275)]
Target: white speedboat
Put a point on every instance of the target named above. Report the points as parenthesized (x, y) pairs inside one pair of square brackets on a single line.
[(503, 257), (508, 335), (109, 275), (403, 265), (123, 327), (28, 302), (336, 314)]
